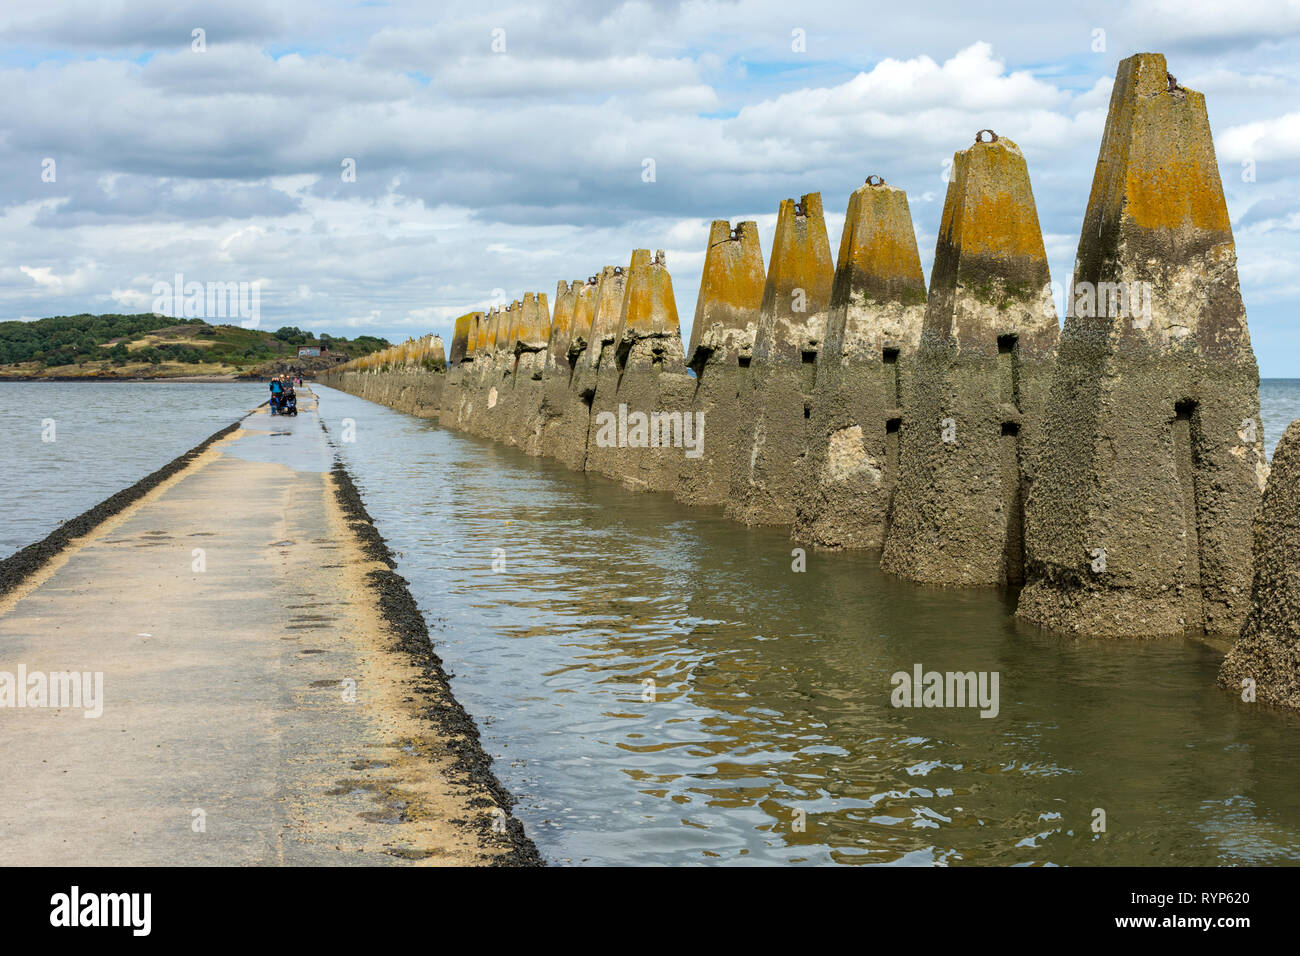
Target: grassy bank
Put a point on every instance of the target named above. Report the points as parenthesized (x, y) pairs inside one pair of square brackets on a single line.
[(150, 346)]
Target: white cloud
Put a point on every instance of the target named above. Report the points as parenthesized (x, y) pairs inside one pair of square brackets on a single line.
[(477, 170), (1275, 138)]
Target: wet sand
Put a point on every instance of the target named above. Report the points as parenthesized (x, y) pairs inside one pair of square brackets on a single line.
[(271, 698)]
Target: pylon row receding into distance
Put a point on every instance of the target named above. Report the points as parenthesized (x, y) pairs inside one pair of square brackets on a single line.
[(1113, 466)]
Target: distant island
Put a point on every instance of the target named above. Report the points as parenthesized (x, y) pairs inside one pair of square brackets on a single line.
[(153, 346)]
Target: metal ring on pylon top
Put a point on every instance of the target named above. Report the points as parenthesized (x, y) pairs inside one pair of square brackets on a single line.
[(1173, 82), (879, 180), (799, 209), (591, 280), (736, 233), (979, 137), (618, 270)]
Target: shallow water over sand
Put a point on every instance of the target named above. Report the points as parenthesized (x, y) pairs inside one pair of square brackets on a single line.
[(106, 436), (769, 734)]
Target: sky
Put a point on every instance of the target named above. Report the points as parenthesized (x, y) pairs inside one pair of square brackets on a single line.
[(382, 168)]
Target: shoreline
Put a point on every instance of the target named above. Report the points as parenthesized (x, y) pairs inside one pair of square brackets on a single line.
[(410, 632), (20, 566)]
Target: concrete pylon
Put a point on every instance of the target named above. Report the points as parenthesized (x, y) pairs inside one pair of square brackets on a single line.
[(877, 308), (603, 368), (471, 343), (429, 373), (557, 368), (510, 325), (974, 416), (647, 429), (599, 359), (557, 343), (501, 387), (720, 352), (775, 409), (584, 318), (1266, 659), (486, 333), (481, 384), (460, 338), (459, 369), (567, 441), (436, 354), (524, 427), (1154, 461)]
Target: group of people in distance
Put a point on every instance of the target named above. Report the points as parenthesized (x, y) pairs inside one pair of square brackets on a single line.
[(284, 400)]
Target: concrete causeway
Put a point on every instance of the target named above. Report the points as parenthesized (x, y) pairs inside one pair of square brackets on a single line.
[(256, 706)]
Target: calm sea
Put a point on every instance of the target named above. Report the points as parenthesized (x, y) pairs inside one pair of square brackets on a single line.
[(106, 436)]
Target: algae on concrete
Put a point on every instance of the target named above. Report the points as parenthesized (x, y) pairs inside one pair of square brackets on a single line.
[(972, 422), (1154, 460), (877, 307), (776, 407), (721, 350)]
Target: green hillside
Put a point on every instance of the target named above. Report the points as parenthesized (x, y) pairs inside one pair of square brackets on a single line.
[(150, 345)]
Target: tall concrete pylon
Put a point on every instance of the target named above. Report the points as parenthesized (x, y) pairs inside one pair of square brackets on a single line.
[(459, 369), (877, 308), (648, 430), (435, 354), (557, 343), (775, 409), (501, 387), (482, 382), (471, 339), (1266, 659), (424, 398), (486, 333), (524, 427), (598, 364), (721, 349), (602, 371), (1154, 461), (568, 439), (973, 421), (460, 338), (556, 366)]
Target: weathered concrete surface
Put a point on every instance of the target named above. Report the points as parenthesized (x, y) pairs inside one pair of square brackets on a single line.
[(720, 352), (775, 409), (499, 400), (460, 369), (983, 369), (557, 367), (596, 377), (877, 308), (645, 435), (410, 389), (1140, 521), (481, 389), (1268, 653), (435, 357), (225, 691), (460, 338), (524, 426), (566, 438)]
